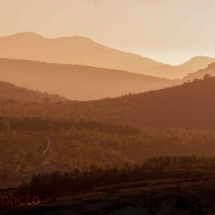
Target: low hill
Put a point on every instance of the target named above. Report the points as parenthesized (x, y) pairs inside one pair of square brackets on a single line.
[(200, 73), (77, 82), (11, 92), (190, 105), (179, 71)]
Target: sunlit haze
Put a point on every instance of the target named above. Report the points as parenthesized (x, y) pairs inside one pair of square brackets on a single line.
[(164, 30), (107, 107)]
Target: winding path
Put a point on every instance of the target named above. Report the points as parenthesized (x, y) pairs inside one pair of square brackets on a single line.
[(52, 148)]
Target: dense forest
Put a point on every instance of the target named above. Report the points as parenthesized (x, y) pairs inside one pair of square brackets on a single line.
[(163, 130), (89, 138), (87, 144), (130, 142)]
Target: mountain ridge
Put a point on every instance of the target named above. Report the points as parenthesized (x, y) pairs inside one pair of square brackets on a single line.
[(182, 70), (79, 48), (12, 92), (77, 82), (189, 106), (210, 70), (84, 51)]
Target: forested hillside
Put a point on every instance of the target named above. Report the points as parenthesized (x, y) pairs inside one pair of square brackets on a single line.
[(105, 144), (175, 121), (190, 105), (93, 144), (11, 92)]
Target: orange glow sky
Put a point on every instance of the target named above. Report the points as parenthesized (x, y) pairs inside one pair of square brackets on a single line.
[(169, 31)]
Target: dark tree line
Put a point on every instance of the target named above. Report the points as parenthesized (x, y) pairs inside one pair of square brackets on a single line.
[(58, 183), (44, 125)]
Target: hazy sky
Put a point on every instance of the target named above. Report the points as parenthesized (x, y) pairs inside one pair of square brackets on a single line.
[(170, 31)]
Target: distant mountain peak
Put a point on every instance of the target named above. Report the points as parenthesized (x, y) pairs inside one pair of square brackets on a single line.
[(81, 38), (30, 34), (27, 34), (200, 57)]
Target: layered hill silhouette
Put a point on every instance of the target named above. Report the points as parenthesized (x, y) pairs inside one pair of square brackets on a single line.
[(70, 50), (10, 92), (77, 82), (200, 73), (190, 106), (84, 51), (180, 71)]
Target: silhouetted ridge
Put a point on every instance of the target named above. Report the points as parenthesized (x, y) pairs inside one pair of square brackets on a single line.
[(76, 82), (191, 105), (200, 73), (11, 92)]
